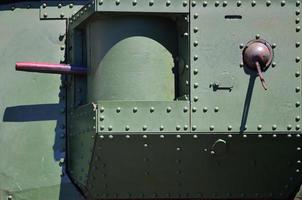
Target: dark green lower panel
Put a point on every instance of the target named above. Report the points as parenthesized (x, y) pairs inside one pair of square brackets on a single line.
[(195, 166)]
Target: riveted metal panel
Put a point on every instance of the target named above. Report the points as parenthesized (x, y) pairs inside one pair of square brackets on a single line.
[(195, 166), (60, 9), (81, 132), (143, 116), (228, 98)]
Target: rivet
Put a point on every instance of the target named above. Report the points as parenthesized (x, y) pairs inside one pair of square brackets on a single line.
[(102, 109), (216, 3), (298, 161), (195, 57), (224, 3), (283, 3), (178, 136), (110, 128), (195, 99), (297, 20), (298, 118), (145, 136), (184, 3), (289, 127), (298, 148), (62, 48), (274, 135), (298, 127), (44, 5), (297, 74), (178, 127), (118, 109), (241, 64), (152, 109), (110, 136), (102, 118), (134, 2), (268, 3), (274, 45), (117, 2), (297, 89), (259, 127), (168, 3), (205, 3), (253, 3), (127, 128), (186, 34), (127, 136), (216, 109), (195, 136), (297, 44), (289, 135), (102, 128), (45, 15), (59, 5), (145, 145), (194, 109), (244, 136), (62, 15), (178, 149), (194, 128), (274, 64), (195, 15), (151, 2), (212, 128), (297, 170), (195, 71), (185, 109), (298, 59), (135, 109), (230, 128), (257, 36), (169, 109), (195, 29), (161, 128), (298, 3), (205, 109), (196, 85), (230, 136), (298, 28), (241, 46), (259, 136), (100, 2), (239, 3), (162, 136), (186, 127), (195, 43), (298, 12), (193, 3), (71, 5), (274, 127), (145, 128), (298, 135)]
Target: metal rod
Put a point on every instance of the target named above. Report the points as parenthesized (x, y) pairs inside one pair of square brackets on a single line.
[(50, 68)]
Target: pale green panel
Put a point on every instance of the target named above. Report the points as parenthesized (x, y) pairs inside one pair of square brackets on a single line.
[(32, 126), (216, 58), (143, 116), (131, 58)]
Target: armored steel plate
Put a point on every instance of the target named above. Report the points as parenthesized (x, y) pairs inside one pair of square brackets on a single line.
[(82, 129), (195, 166), (228, 96), (143, 116)]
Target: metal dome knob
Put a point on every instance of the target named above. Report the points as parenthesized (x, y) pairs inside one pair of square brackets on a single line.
[(258, 55)]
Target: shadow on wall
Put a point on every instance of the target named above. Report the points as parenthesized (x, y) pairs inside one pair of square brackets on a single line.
[(49, 112)]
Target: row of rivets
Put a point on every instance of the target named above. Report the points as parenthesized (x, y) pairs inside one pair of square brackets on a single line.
[(239, 3), (151, 3), (259, 127), (145, 128), (135, 109), (44, 5)]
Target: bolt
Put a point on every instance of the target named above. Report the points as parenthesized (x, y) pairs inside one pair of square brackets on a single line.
[(152, 109), (253, 3), (185, 109), (268, 3), (239, 3), (283, 3)]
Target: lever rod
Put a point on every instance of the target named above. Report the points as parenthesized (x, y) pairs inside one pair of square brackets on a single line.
[(50, 68), (261, 77)]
